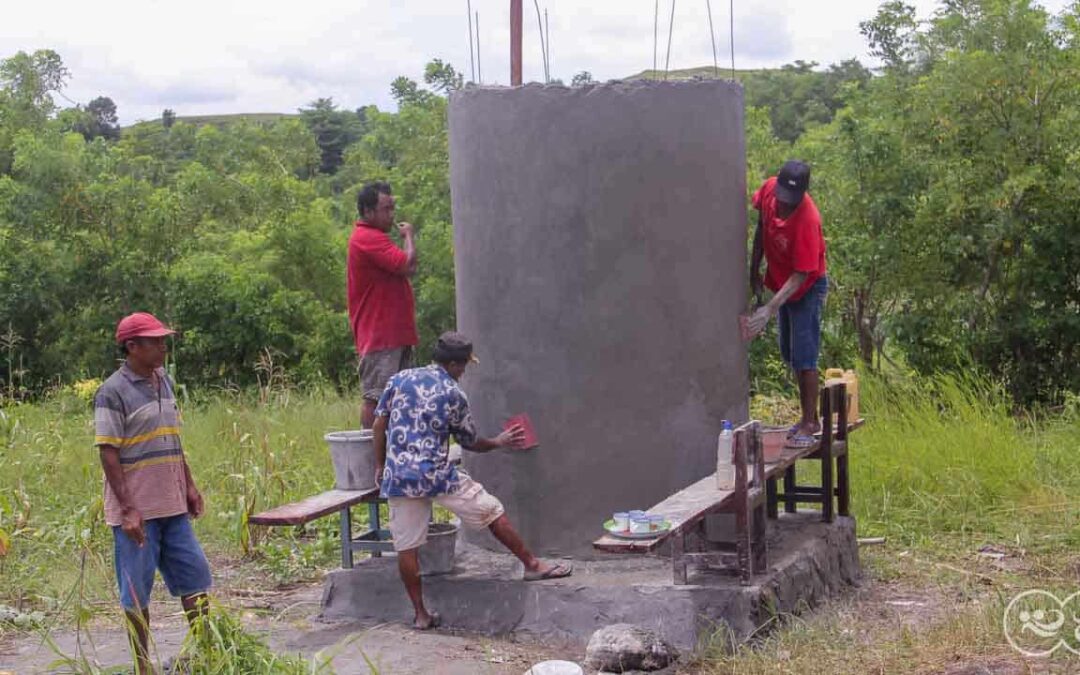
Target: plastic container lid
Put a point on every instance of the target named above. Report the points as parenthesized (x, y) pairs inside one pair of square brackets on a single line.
[(555, 668)]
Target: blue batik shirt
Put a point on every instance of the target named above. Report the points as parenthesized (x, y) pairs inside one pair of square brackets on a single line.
[(425, 406)]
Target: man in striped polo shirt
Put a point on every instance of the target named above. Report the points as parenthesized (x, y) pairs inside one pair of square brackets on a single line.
[(150, 496)]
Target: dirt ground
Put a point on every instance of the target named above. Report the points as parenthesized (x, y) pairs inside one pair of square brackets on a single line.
[(876, 610), (287, 619)]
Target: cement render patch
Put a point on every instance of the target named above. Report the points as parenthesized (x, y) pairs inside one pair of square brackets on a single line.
[(810, 562)]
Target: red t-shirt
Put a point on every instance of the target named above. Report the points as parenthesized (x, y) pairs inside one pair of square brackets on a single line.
[(382, 311), (792, 245)]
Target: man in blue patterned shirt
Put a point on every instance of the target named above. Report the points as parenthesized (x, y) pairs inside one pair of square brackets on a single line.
[(418, 412)]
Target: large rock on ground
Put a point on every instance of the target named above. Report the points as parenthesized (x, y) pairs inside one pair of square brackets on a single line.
[(624, 647)]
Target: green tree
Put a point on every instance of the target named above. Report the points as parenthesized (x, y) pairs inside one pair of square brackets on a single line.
[(334, 131), (100, 120), (27, 85), (442, 77), (581, 79)]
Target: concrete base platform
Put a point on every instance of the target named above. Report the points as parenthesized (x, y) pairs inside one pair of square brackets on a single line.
[(809, 562)]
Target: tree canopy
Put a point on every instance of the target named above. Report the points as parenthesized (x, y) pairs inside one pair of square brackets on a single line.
[(946, 179)]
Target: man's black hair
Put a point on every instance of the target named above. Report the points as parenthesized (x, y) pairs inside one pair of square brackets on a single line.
[(368, 197), (452, 347)]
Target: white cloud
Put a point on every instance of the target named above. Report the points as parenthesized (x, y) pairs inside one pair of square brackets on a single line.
[(217, 56)]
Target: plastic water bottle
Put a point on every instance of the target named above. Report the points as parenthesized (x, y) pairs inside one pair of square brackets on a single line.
[(725, 469)]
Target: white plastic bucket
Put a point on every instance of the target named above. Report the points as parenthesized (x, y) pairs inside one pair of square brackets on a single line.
[(353, 454), (555, 668)]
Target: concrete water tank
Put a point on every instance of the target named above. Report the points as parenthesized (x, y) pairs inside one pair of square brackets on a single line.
[(600, 252)]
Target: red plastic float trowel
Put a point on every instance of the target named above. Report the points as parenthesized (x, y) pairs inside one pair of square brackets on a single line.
[(529, 441)]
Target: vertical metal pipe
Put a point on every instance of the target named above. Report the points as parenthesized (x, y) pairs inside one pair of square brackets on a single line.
[(515, 42), (479, 71), (547, 39), (472, 58), (543, 44)]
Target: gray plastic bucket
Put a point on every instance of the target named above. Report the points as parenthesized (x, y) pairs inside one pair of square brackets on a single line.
[(353, 454), (437, 555)]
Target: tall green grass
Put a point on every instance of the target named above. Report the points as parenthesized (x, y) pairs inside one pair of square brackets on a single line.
[(946, 461), (247, 452), (943, 464)]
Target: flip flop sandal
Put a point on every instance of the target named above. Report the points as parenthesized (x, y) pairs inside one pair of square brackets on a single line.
[(434, 623), (801, 441), (558, 572)]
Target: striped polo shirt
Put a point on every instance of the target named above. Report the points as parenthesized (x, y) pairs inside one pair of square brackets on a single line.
[(143, 422)]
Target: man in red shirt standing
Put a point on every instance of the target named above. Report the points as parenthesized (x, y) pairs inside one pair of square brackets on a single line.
[(789, 235), (382, 311)]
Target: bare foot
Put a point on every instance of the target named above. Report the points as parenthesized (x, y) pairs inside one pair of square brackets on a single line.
[(426, 621)]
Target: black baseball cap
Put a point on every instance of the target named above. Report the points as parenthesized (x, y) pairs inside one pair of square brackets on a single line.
[(454, 347), (793, 181)]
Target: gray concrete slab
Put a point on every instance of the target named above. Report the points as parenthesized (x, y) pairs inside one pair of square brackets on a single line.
[(600, 258), (810, 562)]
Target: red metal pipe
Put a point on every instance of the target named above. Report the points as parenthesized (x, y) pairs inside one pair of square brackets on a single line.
[(515, 42)]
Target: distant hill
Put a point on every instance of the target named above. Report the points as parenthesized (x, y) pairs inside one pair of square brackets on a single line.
[(798, 95), (225, 120), (705, 72)]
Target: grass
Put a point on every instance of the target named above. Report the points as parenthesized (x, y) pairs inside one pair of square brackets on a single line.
[(944, 468), (247, 452)]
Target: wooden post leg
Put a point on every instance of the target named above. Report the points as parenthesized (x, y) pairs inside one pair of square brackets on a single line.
[(826, 452), (843, 498), (789, 490), (742, 505), (678, 561), (759, 543), (373, 523), (770, 499), (346, 539)]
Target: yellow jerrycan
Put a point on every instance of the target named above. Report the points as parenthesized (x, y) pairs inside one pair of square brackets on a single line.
[(851, 379)]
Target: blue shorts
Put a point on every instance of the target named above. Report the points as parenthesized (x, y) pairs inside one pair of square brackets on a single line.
[(171, 547), (799, 327)]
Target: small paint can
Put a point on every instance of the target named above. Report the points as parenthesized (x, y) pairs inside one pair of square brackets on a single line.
[(656, 522), (639, 525), (622, 521)]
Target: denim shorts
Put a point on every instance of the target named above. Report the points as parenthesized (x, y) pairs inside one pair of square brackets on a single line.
[(171, 547), (799, 327)]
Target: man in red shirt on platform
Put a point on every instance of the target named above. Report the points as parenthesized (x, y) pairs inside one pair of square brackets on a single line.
[(789, 236), (382, 311)]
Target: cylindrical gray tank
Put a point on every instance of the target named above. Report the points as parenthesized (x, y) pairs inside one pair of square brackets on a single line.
[(600, 251)]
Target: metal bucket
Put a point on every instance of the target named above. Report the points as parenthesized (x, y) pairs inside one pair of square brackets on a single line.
[(437, 554), (353, 454)]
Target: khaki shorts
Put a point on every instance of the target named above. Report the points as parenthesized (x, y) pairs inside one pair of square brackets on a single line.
[(409, 516), (376, 369)]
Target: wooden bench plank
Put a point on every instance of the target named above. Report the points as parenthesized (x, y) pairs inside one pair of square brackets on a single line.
[(688, 505), (691, 503), (313, 508)]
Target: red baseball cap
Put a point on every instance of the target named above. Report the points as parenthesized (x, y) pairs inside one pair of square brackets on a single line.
[(140, 324)]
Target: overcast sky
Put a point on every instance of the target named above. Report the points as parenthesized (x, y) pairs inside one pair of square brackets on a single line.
[(221, 56)]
